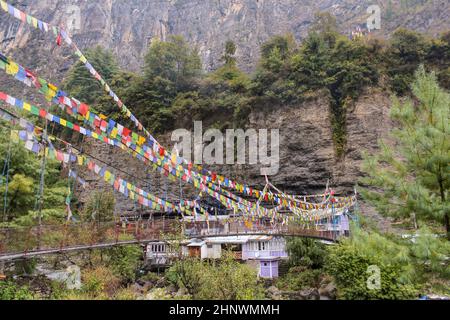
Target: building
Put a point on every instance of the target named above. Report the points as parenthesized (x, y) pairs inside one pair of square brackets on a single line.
[(262, 252), (161, 254)]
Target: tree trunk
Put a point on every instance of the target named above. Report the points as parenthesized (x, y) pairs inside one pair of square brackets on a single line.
[(446, 214), (447, 225)]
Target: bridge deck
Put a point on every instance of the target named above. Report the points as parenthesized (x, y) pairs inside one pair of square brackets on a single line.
[(136, 236)]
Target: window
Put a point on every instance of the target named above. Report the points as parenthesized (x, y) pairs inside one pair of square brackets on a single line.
[(210, 246)]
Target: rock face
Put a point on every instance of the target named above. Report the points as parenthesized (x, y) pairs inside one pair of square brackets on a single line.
[(127, 27), (307, 153)]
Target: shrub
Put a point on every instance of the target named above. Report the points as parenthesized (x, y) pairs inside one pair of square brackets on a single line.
[(12, 291), (125, 261), (349, 261)]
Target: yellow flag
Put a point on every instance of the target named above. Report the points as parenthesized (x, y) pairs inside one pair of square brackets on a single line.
[(12, 68), (114, 133), (4, 5), (15, 136), (35, 22)]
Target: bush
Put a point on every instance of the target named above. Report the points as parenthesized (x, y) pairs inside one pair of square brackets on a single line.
[(349, 261), (299, 278), (12, 291), (306, 252), (99, 283), (125, 262), (226, 279)]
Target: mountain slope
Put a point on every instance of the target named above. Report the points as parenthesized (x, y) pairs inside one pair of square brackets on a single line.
[(127, 27)]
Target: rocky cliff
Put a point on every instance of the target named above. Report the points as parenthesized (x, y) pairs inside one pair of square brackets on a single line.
[(307, 153), (127, 27)]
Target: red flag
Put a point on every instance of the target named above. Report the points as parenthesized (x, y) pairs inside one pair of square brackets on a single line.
[(59, 40), (83, 109), (162, 151), (126, 132)]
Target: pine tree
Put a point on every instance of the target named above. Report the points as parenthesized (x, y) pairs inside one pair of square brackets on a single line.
[(412, 178), (82, 85)]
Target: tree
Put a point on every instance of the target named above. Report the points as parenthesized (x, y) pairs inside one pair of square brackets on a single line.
[(325, 24), (407, 51), (23, 170), (100, 206), (125, 261), (175, 61), (412, 178), (82, 85), (349, 263), (306, 252), (229, 54), (272, 75)]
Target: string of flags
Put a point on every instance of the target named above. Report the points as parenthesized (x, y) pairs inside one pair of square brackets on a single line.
[(17, 103), (149, 149), (129, 138), (253, 209), (113, 130), (99, 124), (127, 189)]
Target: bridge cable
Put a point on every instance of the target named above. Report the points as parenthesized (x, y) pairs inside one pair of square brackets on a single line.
[(6, 168)]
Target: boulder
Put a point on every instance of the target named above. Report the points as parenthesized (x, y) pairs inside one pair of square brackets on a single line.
[(328, 290), (274, 293), (158, 294), (309, 294)]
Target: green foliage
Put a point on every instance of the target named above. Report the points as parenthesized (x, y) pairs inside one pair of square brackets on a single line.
[(174, 61), (23, 182), (81, 84), (11, 291), (125, 261), (349, 261), (226, 279), (306, 252), (406, 52), (430, 254), (230, 50), (413, 178), (271, 77), (299, 278), (100, 207)]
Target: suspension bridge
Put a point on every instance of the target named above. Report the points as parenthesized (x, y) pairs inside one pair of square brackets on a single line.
[(251, 211)]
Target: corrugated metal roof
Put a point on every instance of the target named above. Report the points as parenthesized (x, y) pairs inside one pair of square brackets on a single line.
[(237, 239)]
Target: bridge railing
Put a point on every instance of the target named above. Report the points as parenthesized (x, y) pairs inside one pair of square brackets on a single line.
[(263, 230), (15, 240)]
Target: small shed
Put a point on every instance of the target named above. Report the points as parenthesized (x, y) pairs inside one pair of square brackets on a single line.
[(196, 249), (268, 267)]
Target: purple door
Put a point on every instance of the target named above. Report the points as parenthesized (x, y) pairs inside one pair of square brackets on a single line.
[(268, 269), (265, 267), (274, 269)]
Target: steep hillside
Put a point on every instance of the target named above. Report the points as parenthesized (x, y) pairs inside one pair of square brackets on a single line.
[(307, 153), (127, 27)]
